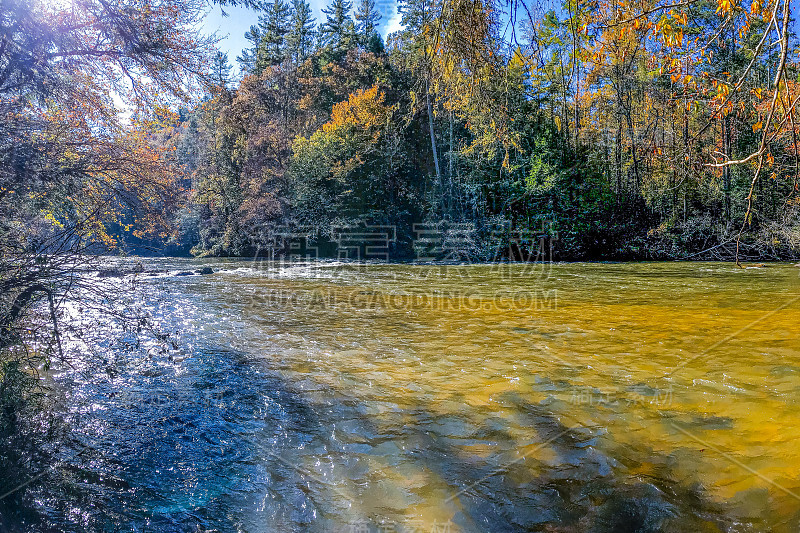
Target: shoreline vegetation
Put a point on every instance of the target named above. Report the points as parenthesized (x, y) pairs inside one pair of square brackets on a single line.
[(143, 272), (617, 139)]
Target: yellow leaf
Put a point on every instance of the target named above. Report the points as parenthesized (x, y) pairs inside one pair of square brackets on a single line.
[(724, 7)]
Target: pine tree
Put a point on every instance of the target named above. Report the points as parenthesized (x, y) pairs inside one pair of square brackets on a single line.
[(247, 59), (272, 48), (337, 31), (268, 38), (300, 39), (220, 70), (416, 14), (367, 19)]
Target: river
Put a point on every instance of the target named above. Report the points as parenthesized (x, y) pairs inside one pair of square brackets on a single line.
[(390, 397)]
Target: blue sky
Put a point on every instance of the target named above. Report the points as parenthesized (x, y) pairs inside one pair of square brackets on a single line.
[(232, 28)]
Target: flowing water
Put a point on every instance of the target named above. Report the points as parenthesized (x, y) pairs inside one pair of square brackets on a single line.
[(345, 397)]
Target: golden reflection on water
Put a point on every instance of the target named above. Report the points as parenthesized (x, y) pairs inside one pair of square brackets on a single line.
[(523, 372)]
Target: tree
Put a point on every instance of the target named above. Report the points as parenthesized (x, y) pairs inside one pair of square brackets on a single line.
[(268, 38), (416, 14), (367, 19), (53, 63), (136, 52), (272, 48), (248, 57), (349, 170), (337, 31), (220, 70), (300, 39), (74, 179), (623, 122)]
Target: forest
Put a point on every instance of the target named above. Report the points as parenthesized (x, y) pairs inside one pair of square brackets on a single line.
[(616, 130), (619, 130)]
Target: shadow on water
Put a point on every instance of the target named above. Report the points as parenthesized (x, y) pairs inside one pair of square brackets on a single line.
[(166, 448), (221, 442), (561, 482)]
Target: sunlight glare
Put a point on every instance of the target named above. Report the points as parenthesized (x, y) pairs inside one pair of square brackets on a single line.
[(55, 5)]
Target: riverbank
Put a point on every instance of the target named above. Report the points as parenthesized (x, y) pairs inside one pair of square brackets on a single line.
[(453, 242)]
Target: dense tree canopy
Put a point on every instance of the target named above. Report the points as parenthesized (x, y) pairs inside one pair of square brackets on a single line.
[(627, 129), (631, 130)]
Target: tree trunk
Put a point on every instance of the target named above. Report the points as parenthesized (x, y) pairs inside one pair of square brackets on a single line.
[(618, 157), (726, 171), (632, 134), (433, 146)]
